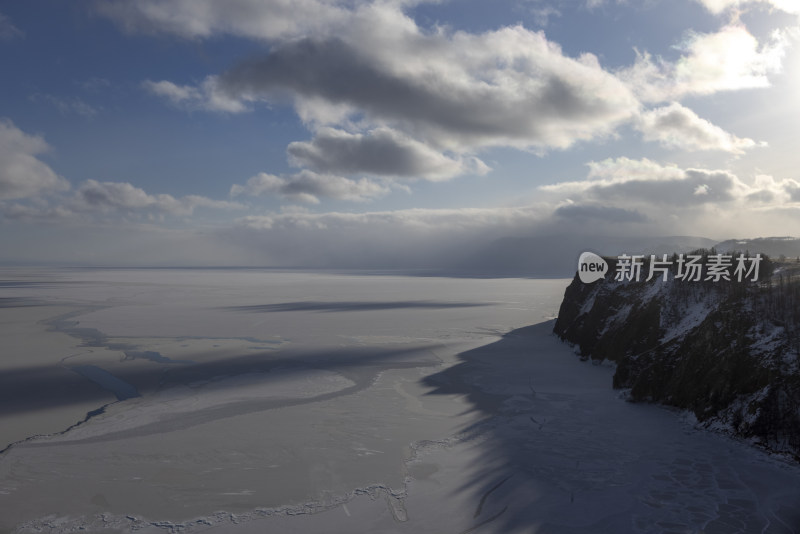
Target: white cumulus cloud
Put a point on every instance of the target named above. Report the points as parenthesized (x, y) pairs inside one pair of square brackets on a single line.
[(726, 60), (677, 126), (207, 95), (22, 174), (308, 186), (124, 199), (255, 19), (371, 78), (651, 186), (720, 6)]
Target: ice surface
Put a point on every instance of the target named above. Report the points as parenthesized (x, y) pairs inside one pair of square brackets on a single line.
[(318, 402)]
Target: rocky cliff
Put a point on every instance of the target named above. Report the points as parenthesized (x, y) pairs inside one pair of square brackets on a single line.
[(727, 351)]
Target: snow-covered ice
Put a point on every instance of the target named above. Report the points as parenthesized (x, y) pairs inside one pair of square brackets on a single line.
[(319, 402)]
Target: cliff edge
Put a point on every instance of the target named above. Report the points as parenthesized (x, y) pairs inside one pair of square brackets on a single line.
[(727, 351)]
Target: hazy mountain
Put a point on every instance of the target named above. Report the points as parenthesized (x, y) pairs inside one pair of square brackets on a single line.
[(772, 246), (557, 255)]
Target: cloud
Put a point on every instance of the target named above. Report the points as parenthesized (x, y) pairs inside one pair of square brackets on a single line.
[(772, 192), (276, 19), (94, 84), (382, 152), (22, 174), (417, 219), (388, 101), (38, 210), (792, 188), (661, 191), (614, 171), (720, 6), (308, 186), (510, 87), (7, 29), (523, 240), (30, 190), (122, 198), (177, 94), (727, 60), (207, 95), (387, 98), (453, 91), (109, 201), (679, 127), (420, 238), (66, 105), (77, 242), (542, 14), (623, 181), (593, 214), (672, 201)]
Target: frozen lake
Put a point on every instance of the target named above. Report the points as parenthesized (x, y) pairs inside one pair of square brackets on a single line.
[(319, 402)]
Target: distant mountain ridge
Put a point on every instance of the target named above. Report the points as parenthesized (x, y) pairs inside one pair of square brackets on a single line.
[(772, 246), (557, 255)]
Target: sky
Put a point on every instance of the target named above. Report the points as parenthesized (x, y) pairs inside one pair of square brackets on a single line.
[(389, 133)]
